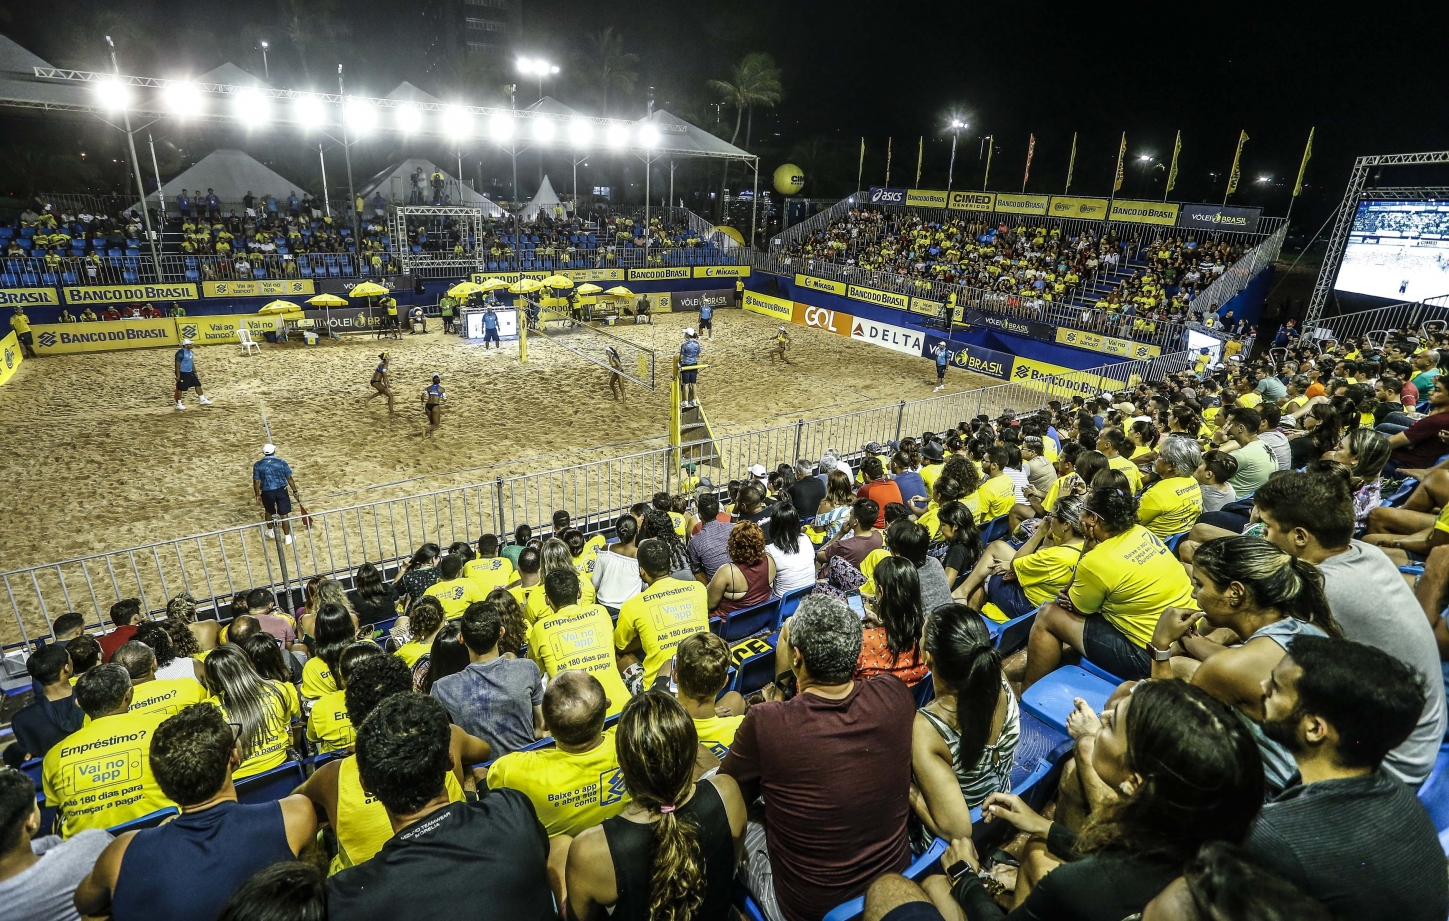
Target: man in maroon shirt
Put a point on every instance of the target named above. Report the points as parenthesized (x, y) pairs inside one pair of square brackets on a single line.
[(855, 543), (1420, 446), (834, 766), (125, 614)]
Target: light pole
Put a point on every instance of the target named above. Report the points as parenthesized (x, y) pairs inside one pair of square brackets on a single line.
[(135, 164), (956, 126), (347, 154), (265, 69), (1143, 162), (537, 67)]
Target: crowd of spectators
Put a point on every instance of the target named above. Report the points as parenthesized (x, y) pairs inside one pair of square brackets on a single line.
[(552, 717)]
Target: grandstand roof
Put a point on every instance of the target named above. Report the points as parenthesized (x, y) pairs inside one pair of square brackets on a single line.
[(383, 182), (18, 82), (551, 106), (232, 173), (678, 135), (406, 92), (232, 74), (545, 199)]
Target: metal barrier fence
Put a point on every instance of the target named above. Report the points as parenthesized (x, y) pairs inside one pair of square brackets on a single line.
[(216, 565), (1410, 316), (1236, 278)]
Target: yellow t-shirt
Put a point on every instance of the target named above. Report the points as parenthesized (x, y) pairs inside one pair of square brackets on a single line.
[(1129, 470), (164, 696), (579, 637), (867, 568), (930, 473), (570, 792), (1250, 399), (1049, 449), (1442, 522), (661, 617), (410, 653), (271, 749), (317, 679), (718, 733), (678, 521), (1043, 573), (329, 725), (1139, 451), (455, 596), (995, 498), (20, 323), (361, 822), (1129, 579), (100, 775), (584, 564), (1054, 492), (1171, 506), (532, 599), (489, 573)]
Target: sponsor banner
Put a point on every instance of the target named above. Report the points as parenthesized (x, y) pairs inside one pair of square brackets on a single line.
[(10, 357), (1011, 203), (1110, 345), (126, 294), (29, 297), (765, 305), (693, 300), (972, 201), (973, 358), (885, 196), (583, 275), (663, 301), (103, 336), (895, 338), (1063, 380), (926, 306), (262, 287), (926, 198), (721, 271), (1210, 217), (1145, 212), (878, 297), (821, 284), (216, 330), (664, 274), (479, 277), (1015, 325), (1092, 209), (820, 318)]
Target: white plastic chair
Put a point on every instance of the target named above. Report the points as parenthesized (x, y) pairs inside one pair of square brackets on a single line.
[(244, 336)]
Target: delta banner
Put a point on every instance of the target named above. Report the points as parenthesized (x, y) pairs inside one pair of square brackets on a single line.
[(10, 358), (721, 271), (1059, 380), (128, 294), (774, 307), (926, 198), (29, 297), (717, 298), (263, 287), (832, 321), (880, 195), (1010, 203), (1211, 217), (1109, 345), (1145, 212), (820, 284), (895, 338), (1017, 326), (104, 335), (1089, 209), (670, 273), (974, 358), (972, 201), (878, 297)]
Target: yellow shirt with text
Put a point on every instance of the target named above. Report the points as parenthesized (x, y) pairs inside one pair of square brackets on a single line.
[(317, 679), (1170, 506), (489, 572), (456, 595), (570, 792), (1129, 470), (361, 822), (163, 697), (718, 733), (328, 725), (581, 638), (995, 498), (1129, 578), (1042, 575), (100, 775), (661, 617), (271, 748)]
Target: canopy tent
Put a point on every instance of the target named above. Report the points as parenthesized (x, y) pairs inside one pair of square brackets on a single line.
[(395, 185), (678, 137), (231, 174), (544, 200), (231, 74), (20, 86), (406, 92)]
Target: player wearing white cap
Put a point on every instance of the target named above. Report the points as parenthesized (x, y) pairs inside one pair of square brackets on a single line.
[(782, 343), (271, 478), (185, 371)]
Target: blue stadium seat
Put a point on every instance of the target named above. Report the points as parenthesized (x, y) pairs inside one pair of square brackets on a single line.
[(193, 275), (27, 232), (747, 622), (1051, 699), (1011, 635), (49, 278), (30, 279), (32, 769), (924, 691), (1092, 668), (7, 280), (756, 671), (847, 911), (792, 600), (150, 820), (270, 786), (995, 529)]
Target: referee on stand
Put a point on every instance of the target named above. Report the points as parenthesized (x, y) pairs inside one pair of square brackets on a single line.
[(271, 478)]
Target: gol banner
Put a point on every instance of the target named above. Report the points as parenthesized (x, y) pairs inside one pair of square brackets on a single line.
[(1092, 209), (103, 336), (819, 318)]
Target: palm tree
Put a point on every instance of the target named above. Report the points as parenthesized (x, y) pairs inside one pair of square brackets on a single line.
[(755, 82), (607, 66)]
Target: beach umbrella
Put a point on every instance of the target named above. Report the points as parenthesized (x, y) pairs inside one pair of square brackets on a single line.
[(525, 286), (619, 291), (465, 289), (369, 289), (589, 288), (559, 281), (327, 300), (276, 307), (493, 284)]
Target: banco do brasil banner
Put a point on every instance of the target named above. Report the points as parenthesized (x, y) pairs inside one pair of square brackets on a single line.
[(926, 198), (1145, 212), (103, 336), (974, 358), (128, 294), (29, 297)]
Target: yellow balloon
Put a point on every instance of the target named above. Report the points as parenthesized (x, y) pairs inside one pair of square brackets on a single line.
[(789, 179)]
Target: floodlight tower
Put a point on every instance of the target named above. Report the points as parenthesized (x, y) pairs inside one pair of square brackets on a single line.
[(955, 126), (122, 100)]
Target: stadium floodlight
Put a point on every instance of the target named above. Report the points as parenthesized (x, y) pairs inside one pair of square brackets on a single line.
[(457, 122), (617, 135), (500, 127), (308, 110), (409, 119), (183, 99), (251, 106), (543, 130), (956, 124), (536, 67), (113, 95), (648, 136), (580, 132), (1265, 179), (1145, 158), (361, 116)]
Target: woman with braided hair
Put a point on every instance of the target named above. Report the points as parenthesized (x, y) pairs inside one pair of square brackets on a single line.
[(670, 855)]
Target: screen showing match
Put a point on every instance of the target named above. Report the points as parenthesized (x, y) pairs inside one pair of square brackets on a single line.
[(1397, 250)]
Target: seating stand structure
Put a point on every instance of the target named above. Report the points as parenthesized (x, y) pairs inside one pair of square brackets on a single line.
[(690, 434)]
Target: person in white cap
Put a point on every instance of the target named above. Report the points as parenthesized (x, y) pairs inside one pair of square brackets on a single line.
[(186, 378), (782, 343), (271, 478), (689, 354)]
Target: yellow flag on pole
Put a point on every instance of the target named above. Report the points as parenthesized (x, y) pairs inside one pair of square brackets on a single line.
[(1121, 153), (889, 143), (1172, 173), (1236, 173), (1071, 164), (920, 155), (1030, 152), (1303, 167)]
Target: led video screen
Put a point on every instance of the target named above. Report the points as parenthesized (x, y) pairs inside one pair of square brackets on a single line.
[(1397, 250)]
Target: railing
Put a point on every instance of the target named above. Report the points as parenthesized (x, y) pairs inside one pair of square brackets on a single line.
[(218, 564), (1227, 285), (1410, 317), (814, 222)]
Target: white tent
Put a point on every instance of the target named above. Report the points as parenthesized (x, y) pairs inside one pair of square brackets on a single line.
[(544, 200), (406, 92), (232, 174), (18, 83), (230, 73), (395, 185)]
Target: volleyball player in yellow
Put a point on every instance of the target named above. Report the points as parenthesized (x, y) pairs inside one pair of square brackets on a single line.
[(1173, 504), (997, 494), (489, 570), (570, 636), (259, 706), (452, 589), (655, 621), (575, 785), (100, 775), (701, 668)]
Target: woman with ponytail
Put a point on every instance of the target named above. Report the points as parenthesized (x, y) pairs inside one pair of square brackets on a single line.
[(1267, 598), (963, 741), (670, 855)]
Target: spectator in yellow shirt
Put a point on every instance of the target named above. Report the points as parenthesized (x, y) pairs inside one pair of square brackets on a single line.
[(1171, 506), (653, 622), (453, 589), (997, 493), (574, 636), (1112, 442), (701, 668), (489, 570)]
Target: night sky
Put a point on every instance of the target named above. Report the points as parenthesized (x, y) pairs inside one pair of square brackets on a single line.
[(1372, 80)]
